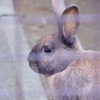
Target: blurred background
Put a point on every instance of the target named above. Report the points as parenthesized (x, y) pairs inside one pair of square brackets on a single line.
[(22, 24)]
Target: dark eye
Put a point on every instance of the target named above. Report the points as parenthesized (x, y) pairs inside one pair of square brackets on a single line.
[(47, 49)]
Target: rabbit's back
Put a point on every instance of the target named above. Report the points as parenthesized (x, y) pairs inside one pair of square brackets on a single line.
[(80, 81)]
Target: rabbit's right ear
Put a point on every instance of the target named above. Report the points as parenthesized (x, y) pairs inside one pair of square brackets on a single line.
[(70, 23)]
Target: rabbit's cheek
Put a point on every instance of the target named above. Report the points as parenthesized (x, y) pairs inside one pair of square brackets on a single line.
[(46, 68)]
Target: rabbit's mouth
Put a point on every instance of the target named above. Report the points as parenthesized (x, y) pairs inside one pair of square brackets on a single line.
[(34, 66)]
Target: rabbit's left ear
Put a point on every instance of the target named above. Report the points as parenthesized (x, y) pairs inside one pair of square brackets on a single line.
[(70, 23)]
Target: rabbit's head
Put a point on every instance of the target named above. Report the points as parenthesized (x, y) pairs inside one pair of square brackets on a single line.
[(55, 52)]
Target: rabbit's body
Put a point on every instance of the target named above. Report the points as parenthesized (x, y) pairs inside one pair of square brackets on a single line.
[(72, 73), (79, 81)]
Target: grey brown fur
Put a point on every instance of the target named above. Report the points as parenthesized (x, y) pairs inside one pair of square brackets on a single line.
[(72, 73)]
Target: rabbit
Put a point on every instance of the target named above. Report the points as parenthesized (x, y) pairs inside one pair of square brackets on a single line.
[(72, 72)]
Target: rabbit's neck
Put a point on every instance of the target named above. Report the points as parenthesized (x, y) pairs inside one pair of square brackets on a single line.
[(69, 58), (88, 54), (91, 55)]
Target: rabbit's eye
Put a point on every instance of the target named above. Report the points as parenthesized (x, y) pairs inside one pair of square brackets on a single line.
[(47, 49)]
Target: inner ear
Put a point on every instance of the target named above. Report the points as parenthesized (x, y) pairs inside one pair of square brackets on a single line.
[(70, 23)]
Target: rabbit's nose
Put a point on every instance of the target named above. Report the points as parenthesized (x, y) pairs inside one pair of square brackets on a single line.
[(31, 57)]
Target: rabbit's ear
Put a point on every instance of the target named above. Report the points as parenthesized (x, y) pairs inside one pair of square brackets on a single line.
[(58, 8), (70, 23)]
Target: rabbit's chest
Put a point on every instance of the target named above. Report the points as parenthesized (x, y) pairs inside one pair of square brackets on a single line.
[(79, 83), (72, 90)]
